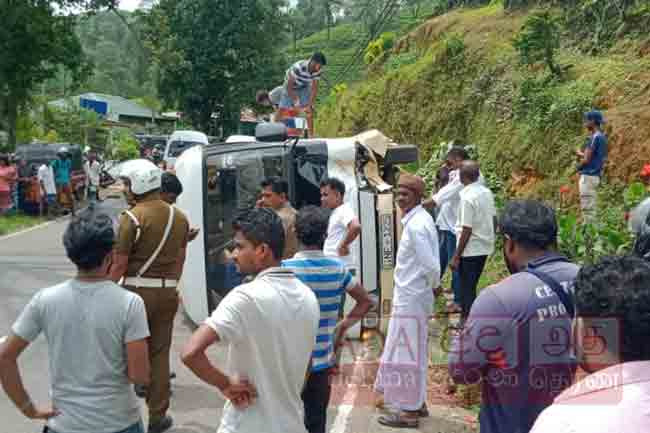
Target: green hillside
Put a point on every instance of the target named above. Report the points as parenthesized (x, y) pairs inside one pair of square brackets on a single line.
[(346, 43), (458, 77)]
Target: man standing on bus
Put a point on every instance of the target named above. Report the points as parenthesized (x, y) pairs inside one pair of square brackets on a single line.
[(149, 257), (301, 87)]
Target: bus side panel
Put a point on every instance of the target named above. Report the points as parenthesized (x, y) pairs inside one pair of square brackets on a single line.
[(387, 235), (189, 169), (368, 220)]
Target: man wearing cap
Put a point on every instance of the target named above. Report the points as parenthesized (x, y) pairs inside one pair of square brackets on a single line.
[(402, 375), (149, 257), (592, 159)]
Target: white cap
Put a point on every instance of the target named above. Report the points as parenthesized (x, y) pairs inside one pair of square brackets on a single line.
[(143, 175)]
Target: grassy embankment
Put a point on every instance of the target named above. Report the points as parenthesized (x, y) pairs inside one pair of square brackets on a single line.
[(458, 77), (14, 223)]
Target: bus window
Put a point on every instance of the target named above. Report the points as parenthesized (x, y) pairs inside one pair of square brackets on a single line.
[(233, 184), (310, 169)]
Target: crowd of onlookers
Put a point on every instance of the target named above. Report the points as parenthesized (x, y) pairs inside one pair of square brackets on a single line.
[(45, 188), (529, 340)]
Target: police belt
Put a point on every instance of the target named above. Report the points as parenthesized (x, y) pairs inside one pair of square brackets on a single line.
[(149, 282)]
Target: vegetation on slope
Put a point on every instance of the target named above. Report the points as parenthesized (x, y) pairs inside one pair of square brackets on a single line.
[(462, 81)]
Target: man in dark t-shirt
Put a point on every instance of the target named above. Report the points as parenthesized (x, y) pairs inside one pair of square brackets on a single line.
[(592, 160), (516, 341)]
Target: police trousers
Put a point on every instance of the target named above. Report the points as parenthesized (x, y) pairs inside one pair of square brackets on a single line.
[(161, 305)]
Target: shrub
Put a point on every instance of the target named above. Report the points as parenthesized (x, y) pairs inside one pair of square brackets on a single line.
[(538, 41), (125, 146), (377, 50)]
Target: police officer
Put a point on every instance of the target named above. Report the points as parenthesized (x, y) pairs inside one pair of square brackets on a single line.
[(148, 259)]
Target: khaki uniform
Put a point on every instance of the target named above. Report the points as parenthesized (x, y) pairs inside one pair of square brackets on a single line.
[(161, 302), (288, 216)]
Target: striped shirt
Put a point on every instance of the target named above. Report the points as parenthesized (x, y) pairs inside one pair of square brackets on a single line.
[(328, 278), (301, 75)]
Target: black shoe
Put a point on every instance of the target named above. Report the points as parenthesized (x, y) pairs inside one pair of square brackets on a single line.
[(140, 391), (172, 375), (161, 425)]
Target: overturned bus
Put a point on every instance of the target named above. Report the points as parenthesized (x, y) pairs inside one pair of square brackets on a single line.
[(221, 179)]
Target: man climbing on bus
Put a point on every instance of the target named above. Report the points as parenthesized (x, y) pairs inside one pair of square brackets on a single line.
[(301, 88)]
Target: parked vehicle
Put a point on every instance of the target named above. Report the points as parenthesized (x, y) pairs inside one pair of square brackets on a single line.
[(221, 179), (149, 142), (179, 142)]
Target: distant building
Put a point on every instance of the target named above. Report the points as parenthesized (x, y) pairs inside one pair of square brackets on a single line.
[(114, 109)]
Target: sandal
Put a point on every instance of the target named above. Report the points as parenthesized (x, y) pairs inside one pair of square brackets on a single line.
[(397, 420), (453, 308), (423, 412)]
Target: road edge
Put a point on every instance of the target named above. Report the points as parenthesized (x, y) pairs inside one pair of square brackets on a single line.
[(27, 230)]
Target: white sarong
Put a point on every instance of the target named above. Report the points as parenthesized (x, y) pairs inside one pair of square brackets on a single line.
[(403, 368)]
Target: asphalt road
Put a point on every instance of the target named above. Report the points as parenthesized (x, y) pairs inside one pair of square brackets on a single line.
[(35, 259)]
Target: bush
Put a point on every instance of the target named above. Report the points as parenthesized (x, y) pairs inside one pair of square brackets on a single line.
[(125, 146), (377, 50), (538, 41)]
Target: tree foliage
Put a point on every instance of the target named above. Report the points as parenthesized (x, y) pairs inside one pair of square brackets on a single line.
[(377, 49), (125, 146), (36, 39), (538, 41), (211, 57), (120, 61)]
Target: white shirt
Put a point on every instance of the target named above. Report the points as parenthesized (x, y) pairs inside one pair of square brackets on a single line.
[(270, 327), (92, 171), (477, 210), (46, 176), (417, 270), (337, 230), (613, 400), (448, 201)]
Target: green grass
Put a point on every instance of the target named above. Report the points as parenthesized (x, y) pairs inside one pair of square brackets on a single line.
[(14, 223)]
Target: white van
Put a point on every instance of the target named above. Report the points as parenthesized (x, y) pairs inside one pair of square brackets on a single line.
[(180, 141)]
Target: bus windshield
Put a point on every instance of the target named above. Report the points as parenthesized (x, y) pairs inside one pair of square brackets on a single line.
[(233, 184)]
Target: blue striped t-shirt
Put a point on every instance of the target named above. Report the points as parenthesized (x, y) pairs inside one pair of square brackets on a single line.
[(328, 278)]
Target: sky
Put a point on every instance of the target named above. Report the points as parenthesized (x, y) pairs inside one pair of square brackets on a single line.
[(129, 5)]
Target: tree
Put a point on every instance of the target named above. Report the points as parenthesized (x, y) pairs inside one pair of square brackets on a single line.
[(36, 37), (538, 41), (211, 56), (126, 146)]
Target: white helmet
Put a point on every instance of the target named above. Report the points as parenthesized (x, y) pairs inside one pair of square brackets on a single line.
[(143, 175)]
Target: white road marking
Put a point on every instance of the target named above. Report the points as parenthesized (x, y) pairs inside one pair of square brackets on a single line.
[(25, 231), (342, 419), (344, 410)]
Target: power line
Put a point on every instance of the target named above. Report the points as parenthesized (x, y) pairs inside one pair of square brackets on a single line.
[(378, 25), (384, 16)]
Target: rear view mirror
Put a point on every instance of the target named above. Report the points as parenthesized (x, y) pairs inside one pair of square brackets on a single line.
[(271, 132)]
